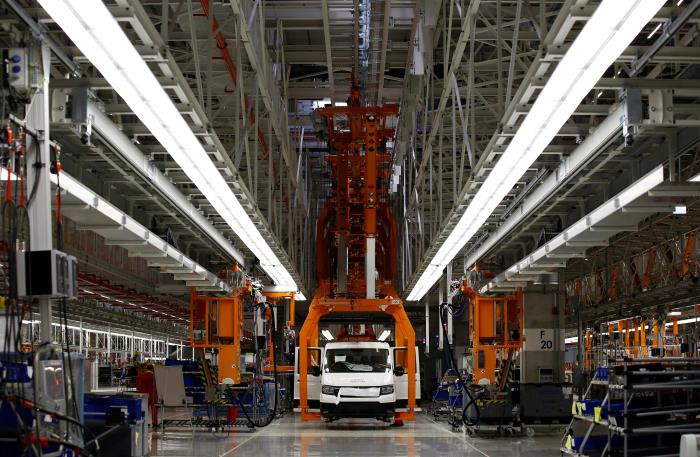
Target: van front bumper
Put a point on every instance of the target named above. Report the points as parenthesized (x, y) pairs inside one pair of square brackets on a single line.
[(358, 409)]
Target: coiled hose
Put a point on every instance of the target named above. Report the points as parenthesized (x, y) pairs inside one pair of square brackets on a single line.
[(456, 310), (271, 417)]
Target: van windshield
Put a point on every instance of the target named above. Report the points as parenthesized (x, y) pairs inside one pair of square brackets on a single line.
[(357, 360)]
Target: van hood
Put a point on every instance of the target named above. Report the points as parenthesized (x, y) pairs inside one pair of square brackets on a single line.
[(357, 379)]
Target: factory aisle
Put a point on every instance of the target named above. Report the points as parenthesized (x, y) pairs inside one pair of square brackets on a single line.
[(291, 437)]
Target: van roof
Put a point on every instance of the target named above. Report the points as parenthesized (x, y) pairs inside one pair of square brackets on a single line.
[(357, 344)]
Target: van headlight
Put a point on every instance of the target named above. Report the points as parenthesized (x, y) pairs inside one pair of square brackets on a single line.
[(328, 390), (386, 390)]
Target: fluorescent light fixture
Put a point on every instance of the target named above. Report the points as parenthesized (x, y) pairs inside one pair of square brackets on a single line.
[(321, 103), (93, 29), (680, 209), (638, 189), (4, 175), (609, 31), (86, 328), (656, 29), (674, 313), (385, 334), (327, 334), (679, 2)]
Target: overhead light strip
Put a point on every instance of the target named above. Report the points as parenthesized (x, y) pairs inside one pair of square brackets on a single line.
[(610, 207), (93, 29), (613, 26)]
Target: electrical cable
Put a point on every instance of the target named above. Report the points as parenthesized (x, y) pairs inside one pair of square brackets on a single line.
[(37, 165), (12, 239), (14, 312), (271, 417), (56, 414), (63, 304), (9, 236), (443, 310)]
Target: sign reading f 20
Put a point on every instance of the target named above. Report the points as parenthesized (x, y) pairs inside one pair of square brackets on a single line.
[(541, 339)]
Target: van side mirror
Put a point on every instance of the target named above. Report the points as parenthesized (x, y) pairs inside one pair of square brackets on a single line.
[(315, 370), (398, 370)]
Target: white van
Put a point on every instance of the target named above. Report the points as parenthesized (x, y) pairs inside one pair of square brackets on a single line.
[(357, 379)]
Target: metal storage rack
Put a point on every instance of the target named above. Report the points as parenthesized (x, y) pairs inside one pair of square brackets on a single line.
[(587, 421), (659, 399), (673, 384)]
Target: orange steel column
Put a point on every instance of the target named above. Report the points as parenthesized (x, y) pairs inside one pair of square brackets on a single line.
[(370, 185), (589, 341), (656, 332), (675, 325), (370, 203), (406, 336), (292, 310), (308, 336), (290, 296)]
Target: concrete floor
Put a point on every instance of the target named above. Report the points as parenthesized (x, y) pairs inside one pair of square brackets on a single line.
[(291, 437)]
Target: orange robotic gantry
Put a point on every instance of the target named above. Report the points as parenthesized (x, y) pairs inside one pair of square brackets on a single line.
[(356, 241)]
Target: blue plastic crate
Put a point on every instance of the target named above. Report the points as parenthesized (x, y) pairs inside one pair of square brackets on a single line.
[(441, 395), (602, 373), (15, 372), (8, 418), (594, 442), (587, 406), (455, 401), (615, 408), (98, 405)]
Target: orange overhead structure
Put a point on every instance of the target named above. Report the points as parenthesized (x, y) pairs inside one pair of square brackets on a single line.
[(357, 209), (356, 235)]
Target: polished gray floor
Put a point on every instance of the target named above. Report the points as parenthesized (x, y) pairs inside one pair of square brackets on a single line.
[(291, 437)]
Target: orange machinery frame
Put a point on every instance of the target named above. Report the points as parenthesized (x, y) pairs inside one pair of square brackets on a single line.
[(357, 212), (358, 207), (221, 320), (274, 296), (405, 336), (490, 321)]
